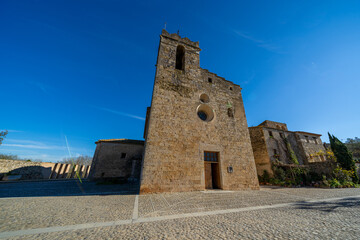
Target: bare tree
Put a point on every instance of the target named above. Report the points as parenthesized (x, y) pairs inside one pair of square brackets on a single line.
[(3, 135), (81, 160)]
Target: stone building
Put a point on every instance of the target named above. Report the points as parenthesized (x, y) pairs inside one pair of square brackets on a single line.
[(196, 133), (117, 158), (273, 141), (196, 130)]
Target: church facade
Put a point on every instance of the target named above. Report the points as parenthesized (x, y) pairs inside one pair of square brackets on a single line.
[(196, 133)]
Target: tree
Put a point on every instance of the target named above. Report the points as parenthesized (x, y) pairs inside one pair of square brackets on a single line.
[(343, 156), (3, 135), (80, 160), (354, 147)]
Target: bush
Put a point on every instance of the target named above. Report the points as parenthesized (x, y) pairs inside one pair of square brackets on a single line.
[(334, 183), (343, 175), (265, 178)]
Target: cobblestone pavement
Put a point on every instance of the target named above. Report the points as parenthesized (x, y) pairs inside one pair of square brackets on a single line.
[(296, 213)]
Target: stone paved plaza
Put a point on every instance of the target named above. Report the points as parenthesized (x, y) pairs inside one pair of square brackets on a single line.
[(68, 210)]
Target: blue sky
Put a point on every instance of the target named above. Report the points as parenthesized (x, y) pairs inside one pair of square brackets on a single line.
[(84, 70)]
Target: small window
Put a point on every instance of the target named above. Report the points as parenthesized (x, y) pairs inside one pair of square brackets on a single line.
[(230, 112), (307, 138), (123, 155), (231, 88), (281, 135), (314, 138), (275, 152), (210, 80), (204, 98), (271, 134)]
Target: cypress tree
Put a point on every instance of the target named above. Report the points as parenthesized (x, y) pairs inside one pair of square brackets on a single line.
[(343, 156)]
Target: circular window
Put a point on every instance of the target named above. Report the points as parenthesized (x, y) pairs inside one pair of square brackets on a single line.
[(204, 98), (205, 112), (202, 115)]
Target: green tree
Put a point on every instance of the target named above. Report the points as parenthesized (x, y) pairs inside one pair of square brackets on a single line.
[(3, 135), (343, 156)]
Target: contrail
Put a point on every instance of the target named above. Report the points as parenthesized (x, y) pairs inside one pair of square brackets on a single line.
[(77, 171), (121, 113), (67, 146)]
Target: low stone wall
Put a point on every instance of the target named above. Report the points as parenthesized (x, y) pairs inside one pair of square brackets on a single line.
[(41, 170), (322, 168)]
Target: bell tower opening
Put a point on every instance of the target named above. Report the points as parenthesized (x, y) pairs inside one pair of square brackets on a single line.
[(180, 57)]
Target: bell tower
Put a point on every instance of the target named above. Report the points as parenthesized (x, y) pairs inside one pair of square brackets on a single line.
[(196, 134)]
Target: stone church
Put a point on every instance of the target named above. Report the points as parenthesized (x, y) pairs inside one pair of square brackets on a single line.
[(196, 133)]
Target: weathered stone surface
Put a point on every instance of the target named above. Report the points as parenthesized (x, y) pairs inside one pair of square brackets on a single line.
[(117, 158), (40, 170), (176, 137), (268, 144)]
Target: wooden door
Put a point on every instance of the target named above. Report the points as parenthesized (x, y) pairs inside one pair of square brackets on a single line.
[(215, 176), (208, 176)]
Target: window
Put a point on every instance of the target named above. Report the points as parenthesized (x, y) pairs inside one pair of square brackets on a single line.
[(231, 88), (205, 112), (271, 134), (281, 135), (180, 58), (123, 155), (230, 112), (307, 138), (275, 151), (314, 138), (202, 115), (211, 156), (204, 98), (210, 80)]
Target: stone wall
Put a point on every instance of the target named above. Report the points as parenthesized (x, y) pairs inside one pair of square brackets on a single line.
[(117, 158), (177, 137), (274, 125), (41, 170), (261, 155), (269, 145), (311, 145)]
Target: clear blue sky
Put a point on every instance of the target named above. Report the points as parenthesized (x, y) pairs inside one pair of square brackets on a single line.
[(85, 69)]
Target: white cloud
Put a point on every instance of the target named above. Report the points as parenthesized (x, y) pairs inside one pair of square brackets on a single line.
[(32, 146), (11, 130)]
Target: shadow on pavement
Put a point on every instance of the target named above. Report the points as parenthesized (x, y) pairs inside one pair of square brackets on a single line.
[(329, 206), (58, 188)]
